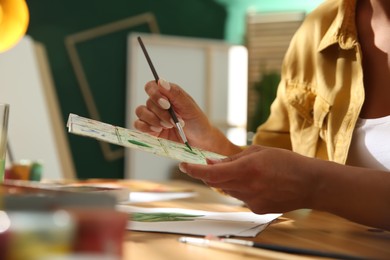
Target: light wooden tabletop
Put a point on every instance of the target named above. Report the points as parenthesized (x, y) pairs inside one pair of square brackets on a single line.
[(301, 228)]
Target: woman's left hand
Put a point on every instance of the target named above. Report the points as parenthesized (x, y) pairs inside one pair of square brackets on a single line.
[(268, 180)]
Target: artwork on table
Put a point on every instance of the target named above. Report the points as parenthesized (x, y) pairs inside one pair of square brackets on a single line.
[(196, 222), (138, 140)]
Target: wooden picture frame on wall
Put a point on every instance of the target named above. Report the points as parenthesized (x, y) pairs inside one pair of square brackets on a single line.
[(71, 42)]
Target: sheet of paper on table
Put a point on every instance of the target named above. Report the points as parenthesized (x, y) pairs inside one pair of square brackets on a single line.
[(196, 222), (138, 140)]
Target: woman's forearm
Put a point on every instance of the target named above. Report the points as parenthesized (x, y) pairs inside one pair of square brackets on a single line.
[(359, 194)]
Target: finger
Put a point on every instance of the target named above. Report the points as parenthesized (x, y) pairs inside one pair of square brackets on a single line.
[(163, 115), (152, 89), (211, 161), (246, 152), (146, 128), (169, 90), (160, 97), (216, 173), (148, 117), (178, 98)]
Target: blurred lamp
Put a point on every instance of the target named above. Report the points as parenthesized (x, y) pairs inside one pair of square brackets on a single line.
[(14, 18)]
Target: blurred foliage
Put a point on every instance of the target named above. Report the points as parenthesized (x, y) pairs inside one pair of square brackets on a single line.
[(266, 91)]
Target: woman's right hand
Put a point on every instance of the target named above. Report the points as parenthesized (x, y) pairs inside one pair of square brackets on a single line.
[(154, 118)]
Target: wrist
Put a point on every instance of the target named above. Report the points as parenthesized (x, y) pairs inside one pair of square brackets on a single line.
[(319, 191)]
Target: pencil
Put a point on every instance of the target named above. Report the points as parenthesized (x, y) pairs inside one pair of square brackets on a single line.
[(171, 111), (239, 249), (287, 249)]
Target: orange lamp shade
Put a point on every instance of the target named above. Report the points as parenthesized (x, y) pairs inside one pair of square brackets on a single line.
[(14, 18)]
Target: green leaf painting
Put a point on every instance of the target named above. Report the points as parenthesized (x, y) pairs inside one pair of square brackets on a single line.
[(189, 151), (160, 217), (139, 143)]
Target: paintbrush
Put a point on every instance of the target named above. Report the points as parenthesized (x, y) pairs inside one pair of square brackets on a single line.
[(171, 111)]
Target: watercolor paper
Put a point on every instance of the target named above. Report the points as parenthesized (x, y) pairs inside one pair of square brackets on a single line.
[(137, 140), (196, 222)]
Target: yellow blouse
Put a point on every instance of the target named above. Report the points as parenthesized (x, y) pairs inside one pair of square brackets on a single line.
[(321, 91)]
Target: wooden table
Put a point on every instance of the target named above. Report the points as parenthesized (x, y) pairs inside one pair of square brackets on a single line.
[(301, 228)]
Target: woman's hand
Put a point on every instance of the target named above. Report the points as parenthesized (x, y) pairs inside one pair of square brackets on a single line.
[(268, 180), (272, 180), (154, 118)]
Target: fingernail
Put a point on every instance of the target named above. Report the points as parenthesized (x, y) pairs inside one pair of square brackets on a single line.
[(181, 121), (165, 84), (156, 129), (165, 124), (181, 168), (164, 103)]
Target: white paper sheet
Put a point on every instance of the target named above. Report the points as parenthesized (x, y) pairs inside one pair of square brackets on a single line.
[(139, 197), (198, 222)]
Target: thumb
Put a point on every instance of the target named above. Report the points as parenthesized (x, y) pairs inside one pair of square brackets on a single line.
[(247, 151), (170, 90)]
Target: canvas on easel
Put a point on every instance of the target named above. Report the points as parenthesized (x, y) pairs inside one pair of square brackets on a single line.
[(36, 130)]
